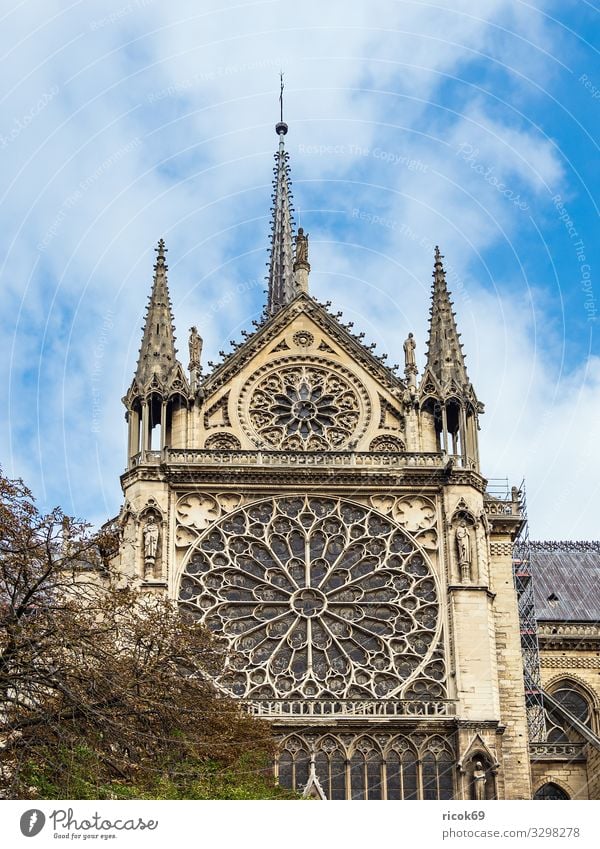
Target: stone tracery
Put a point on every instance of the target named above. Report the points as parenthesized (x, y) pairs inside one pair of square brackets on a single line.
[(390, 766), (306, 407), (318, 597)]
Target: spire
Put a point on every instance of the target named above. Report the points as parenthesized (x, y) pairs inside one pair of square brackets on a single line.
[(445, 392), (445, 359), (282, 285), (157, 354)]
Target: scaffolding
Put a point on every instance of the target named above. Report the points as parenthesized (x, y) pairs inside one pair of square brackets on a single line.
[(523, 578)]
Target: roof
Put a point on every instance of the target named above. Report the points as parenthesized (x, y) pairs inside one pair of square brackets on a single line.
[(566, 580)]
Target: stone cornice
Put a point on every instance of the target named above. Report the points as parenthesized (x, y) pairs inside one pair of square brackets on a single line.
[(348, 468), (569, 636), (453, 588)]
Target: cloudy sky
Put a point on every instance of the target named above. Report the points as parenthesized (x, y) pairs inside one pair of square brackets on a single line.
[(472, 125)]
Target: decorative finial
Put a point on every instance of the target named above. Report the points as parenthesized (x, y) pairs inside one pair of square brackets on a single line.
[(281, 127), (160, 251)]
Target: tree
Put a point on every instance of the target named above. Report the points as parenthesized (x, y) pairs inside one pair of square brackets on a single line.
[(106, 692)]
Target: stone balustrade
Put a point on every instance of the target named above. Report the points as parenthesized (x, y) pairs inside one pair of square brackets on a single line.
[(350, 708)]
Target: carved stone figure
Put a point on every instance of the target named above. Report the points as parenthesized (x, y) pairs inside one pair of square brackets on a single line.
[(195, 345), (479, 782), (301, 246), (151, 533), (409, 351), (463, 545)]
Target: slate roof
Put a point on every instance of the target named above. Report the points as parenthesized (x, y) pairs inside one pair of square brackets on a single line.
[(566, 580)]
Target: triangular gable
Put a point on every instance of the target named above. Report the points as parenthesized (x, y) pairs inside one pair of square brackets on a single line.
[(270, 331)]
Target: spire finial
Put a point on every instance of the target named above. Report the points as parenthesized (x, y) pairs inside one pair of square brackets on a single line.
[(281, 127), (282, 283), (160, 250)]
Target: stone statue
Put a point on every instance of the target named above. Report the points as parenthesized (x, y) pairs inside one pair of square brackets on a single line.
[(150, 541), (195, 344), (301, 247), (463, 545), (479, 782), (409, 352)]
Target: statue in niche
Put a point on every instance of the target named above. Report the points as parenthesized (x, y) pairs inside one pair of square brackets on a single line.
[(151, 534), (463, 545), (479, 782), (195, 346)]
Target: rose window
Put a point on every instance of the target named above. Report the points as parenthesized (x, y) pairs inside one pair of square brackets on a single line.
[(304, 408), (317, 597)]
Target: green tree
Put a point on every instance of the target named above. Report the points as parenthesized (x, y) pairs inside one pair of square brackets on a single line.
[(106, 692)]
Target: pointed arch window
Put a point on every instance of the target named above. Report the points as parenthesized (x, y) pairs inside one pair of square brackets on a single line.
[(402, 774), (366, 772), (294, 766), (437, 771), (359, 770), (574, 700), (330, 766), (550, 791)]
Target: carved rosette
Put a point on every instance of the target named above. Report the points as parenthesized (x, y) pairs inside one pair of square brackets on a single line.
[(318, 597), (304, 407), (415, 513), (195, 511)]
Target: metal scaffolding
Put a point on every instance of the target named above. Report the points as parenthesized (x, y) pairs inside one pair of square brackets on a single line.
[(523, 577)]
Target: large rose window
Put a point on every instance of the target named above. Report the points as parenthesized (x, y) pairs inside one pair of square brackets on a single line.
[(317, 597), (305, 408)]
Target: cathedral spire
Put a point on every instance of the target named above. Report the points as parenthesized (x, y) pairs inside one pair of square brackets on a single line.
[(445, 359), (157, 356), (282, 283)]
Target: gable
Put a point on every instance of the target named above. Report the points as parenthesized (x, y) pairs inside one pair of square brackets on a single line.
[(304, 383)]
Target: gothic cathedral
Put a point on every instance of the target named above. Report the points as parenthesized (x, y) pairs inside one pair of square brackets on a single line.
[(326, 517)]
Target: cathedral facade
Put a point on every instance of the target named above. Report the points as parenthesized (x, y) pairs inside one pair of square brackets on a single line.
[(327, 518)]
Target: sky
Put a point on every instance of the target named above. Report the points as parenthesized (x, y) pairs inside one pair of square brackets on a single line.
[(470, 125)]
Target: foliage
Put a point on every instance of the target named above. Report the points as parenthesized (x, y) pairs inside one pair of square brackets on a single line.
[(106, 692)]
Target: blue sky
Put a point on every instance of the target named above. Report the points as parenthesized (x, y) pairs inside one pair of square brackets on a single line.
[(469, 125)]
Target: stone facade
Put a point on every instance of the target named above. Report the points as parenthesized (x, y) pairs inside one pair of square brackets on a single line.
[(328, 520)]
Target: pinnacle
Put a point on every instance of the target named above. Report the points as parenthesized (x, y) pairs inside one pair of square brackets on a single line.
[(445, 358), (157, 357)]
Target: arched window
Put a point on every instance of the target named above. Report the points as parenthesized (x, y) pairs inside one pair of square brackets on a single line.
[(438, 769), (357, 769), (294, 765), (365, 772), (550, 791), (330, 766), (574, 702), (402, 774), (572, 699)]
